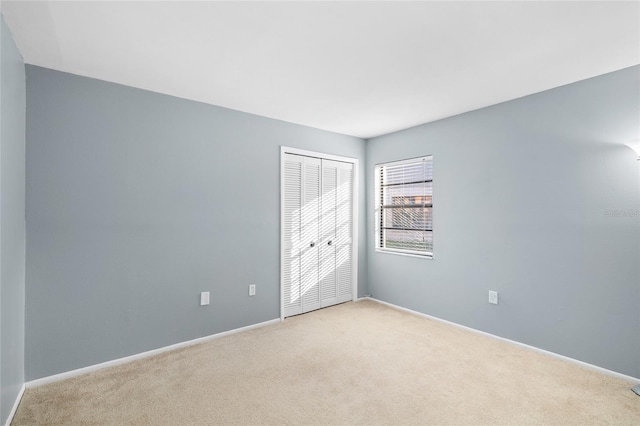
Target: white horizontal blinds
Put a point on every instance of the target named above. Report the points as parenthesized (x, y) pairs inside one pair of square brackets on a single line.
[(327, 238), (292, 302), (405, 206), (310, 232), (344, 231)]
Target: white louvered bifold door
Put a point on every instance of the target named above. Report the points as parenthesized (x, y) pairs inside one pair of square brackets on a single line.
[(310, 231), (344, 232), (292, 192), (317, 235), (328, 288)]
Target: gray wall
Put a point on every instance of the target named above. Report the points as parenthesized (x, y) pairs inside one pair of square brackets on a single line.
[(12, 224), (521, 194), (137, 202)]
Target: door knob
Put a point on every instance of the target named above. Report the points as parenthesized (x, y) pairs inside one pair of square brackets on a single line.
[(312, 244)]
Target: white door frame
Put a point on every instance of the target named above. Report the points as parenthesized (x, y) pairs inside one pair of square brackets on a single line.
[(354, 273)]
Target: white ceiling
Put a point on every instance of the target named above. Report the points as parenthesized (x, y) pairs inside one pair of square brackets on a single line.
[(357, 68)]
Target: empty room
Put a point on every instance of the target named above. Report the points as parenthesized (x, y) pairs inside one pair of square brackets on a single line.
[(323, 212)]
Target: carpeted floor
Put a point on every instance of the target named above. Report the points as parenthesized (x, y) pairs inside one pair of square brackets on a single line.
[(356, 363)]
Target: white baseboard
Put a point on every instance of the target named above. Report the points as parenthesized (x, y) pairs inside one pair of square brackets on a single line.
[(15, 406), (513, 342), (84, 370), (91, 368)]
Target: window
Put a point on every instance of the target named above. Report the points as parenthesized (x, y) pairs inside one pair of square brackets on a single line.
[(404, 206)]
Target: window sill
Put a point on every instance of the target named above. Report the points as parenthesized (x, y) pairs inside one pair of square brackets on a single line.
[(399, 253)]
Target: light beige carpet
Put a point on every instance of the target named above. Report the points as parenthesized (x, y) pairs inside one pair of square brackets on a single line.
[(356, 363)]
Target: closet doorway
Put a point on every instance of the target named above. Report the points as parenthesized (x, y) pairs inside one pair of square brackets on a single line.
[(318, 266)]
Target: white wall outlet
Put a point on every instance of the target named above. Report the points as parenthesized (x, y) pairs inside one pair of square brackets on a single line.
[(493, 297), (252, 290), (204, 298)]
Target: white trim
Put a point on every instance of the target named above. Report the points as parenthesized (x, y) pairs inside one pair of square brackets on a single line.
[(15, 405), (513, 342), (282, 225), (119, 361), (354, 210), (404, 161), (378, 208), (404, 253)]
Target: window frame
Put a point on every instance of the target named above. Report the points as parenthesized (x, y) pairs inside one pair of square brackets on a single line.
[(379, 209)]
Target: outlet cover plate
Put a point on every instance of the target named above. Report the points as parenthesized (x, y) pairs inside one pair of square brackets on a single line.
[(252, 290), (493, 297), (204, 298)]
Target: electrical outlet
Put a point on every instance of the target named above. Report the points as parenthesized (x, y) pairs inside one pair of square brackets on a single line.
[(493, 297), (204, 298), (252, 290)]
